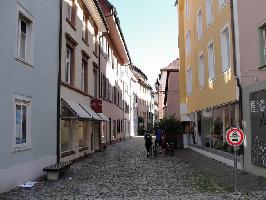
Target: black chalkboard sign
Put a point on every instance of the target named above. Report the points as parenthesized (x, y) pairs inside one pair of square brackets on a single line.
[(257, 103)]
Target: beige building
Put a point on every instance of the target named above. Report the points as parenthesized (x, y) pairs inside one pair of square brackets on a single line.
[(82, 22)]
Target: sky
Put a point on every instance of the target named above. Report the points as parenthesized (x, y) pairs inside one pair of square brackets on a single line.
[(150, 28)]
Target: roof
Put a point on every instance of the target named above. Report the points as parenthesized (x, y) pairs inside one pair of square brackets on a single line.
[(115, 30), (136, 69), (173, 66)]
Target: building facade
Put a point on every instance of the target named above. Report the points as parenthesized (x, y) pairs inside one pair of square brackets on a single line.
[(29, 71), (115, 77), (169, 94), (144, 101), (80, 125), (206, 69), (250, 62)]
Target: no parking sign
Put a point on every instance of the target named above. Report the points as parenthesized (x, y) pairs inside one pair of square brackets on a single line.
[(235, 136)]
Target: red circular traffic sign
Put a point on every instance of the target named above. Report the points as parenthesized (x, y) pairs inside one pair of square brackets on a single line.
[(234, 136)]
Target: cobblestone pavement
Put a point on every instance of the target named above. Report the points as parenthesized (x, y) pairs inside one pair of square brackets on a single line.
[(124, 172)]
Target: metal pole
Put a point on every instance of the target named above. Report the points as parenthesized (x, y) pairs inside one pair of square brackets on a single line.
[(235, 165)]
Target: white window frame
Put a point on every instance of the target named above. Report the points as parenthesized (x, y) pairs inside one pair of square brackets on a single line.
[(199, 24), (189, 81), (263, 29), (225, 53), (187, 9), (23, 14), (188, 42), (68, 69), (209, 14), (211, 69), (23, 101), (201, 68)]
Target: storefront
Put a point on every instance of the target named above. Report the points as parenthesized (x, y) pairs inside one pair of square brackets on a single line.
[(210, 126), (80, 130)]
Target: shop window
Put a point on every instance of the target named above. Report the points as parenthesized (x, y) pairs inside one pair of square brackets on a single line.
[(66, 136), (82, 134)]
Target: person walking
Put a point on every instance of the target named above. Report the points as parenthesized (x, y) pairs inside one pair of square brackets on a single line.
[(148, 143), (158, 134)]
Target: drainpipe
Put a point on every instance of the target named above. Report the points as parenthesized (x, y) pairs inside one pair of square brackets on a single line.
[(99, 66), (235, 71), (58, 84), (234, 64)]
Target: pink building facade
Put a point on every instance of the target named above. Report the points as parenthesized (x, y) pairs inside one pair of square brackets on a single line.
[(250, 56), (169, 91)]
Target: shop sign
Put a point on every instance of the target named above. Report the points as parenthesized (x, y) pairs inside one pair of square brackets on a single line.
[(96, 105), (257, 101)]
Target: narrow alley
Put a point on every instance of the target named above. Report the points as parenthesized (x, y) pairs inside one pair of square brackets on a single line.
[(124, 172)]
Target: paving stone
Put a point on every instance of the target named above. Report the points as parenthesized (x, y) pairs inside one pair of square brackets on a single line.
[(123, 171)]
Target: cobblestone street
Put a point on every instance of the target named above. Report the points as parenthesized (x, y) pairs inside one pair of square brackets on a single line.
[(124, 172)]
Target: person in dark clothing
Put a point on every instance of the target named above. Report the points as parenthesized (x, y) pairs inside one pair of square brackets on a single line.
[(158, 135), (148, 143)]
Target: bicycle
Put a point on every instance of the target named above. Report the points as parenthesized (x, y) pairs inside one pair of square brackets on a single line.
[(155, 149), (170, 148)]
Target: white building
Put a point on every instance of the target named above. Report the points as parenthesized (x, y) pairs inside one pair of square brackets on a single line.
[(28, 89)]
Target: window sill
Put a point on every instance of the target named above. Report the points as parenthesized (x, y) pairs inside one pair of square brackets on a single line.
[(85, 42), (71, 24), (95, 54), (262, 67), (21, 148), (67, 153), (83, 149), (23, 61), (210, 25)]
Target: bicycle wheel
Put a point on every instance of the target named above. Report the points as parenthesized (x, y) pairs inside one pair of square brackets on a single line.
[(155, 153)]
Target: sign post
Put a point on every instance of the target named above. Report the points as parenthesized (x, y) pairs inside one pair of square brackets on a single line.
[(235, 137)]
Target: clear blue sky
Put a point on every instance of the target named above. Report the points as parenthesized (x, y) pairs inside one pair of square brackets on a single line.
[(150, 28)]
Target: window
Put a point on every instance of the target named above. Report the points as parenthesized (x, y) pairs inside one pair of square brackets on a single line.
[(188, 42), (95, 82), (209, 12), (84, 29), (71, 12), (25, 36), (22, 109), (189, 81), (201, 71), (70, 64), (199, 25), (84, 76), (221, 3), (95, 40), (68, 69), (187, 8), (69, 9), (262, 32), (82, 134), (211, 61), (225, 45), (66, 136)]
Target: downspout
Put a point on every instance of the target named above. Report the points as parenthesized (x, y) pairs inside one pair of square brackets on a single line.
[(235, 72), (58, 84), (234, 64), (99, 67)]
